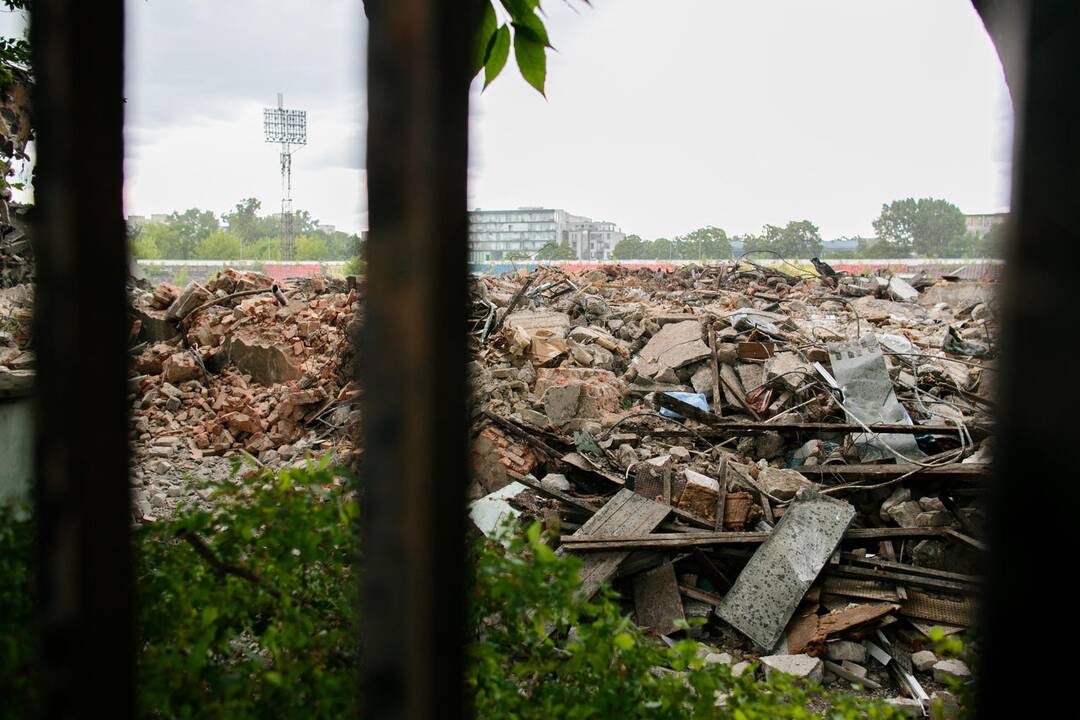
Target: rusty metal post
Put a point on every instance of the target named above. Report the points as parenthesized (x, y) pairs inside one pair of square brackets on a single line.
[(1028, 609), (83, 557), (413, 355)]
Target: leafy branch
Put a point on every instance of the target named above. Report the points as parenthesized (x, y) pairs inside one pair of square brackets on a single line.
[(524, 29)]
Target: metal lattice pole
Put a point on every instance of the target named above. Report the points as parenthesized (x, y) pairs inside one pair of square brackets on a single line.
[(289, 129)]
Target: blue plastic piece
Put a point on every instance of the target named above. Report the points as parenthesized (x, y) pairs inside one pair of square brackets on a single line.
[(698, 400)]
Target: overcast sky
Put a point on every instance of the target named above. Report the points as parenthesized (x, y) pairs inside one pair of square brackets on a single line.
[(661, 116)]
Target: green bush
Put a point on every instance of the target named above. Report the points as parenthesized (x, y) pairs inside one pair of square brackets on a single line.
[(248, 611)]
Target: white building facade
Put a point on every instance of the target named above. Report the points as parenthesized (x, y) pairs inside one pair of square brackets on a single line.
[(521, 233)]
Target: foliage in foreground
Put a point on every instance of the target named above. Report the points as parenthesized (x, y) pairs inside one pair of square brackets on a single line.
[(248, 612)]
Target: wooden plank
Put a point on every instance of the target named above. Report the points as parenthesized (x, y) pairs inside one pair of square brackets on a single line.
[(905, 579), (627, 513), (701, 595), (722, 427), (715, 365), (551, 492), (584, 541), (974, 471), (863, 589), (957, 535), (852, 559), (721, 498)]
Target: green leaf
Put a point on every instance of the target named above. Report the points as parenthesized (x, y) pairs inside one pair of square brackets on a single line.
[(624, 641), (274, 678), (544, 553), (485, 36), (531, 24), (533, 533), (531, 58), (496, 59)]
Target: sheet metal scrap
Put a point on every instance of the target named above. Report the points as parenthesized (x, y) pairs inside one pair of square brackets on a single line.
[(778, 575), (859, 368)]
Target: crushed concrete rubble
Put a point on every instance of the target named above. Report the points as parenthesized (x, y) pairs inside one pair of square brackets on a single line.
[(813, 451)]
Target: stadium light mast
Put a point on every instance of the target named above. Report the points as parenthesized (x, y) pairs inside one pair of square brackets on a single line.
[(289, 128)]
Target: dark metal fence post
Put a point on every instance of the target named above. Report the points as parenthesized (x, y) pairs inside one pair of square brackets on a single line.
[(1029, 611), (83, 562), (413, 359)]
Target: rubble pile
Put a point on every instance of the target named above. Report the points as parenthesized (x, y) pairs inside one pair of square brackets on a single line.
[(239, 366), (251, 372), (797, 458)]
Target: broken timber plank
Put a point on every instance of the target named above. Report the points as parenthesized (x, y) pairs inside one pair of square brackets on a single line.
[(714, 363), (627, 513), (853, 559), (585, 541), (974, 471), (701, 595), (725, 426), (906, 579)]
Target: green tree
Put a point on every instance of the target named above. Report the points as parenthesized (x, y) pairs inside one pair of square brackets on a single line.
[(551, 251), (244, 221), (663, 249), (219, 245), (142, 245), (797, 239), (311, 247), (707, 243), (630, 247), (163, 237), (192, 227), (991, 244), (265, 248), (927, 227)]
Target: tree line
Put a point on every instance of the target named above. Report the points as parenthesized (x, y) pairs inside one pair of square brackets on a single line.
[(927, 227), (242, 234)]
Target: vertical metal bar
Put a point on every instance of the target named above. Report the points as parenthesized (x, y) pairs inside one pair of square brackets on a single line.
[(1035, 455), (83, 556), (413, 359)]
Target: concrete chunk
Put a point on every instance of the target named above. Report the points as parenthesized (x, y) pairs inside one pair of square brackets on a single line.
[(843, 651), (945, 670), (676, 345), (779, 573), (782, 483), (802, 666), (267, 364), (923, 660)]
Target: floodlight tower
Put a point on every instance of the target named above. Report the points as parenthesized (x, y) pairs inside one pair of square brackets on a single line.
[(289, 128)]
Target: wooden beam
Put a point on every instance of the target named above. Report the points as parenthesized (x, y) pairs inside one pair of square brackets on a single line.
[(724, 427), (952, 471), (906, 579), (585, 542)]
